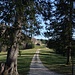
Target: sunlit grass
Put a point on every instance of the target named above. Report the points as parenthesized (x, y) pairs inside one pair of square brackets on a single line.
[(51, 60), (3, 56), (55, 62), (23, 61)]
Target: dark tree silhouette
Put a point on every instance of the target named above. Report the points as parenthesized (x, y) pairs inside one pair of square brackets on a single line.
[(15, 15), (59, 19)]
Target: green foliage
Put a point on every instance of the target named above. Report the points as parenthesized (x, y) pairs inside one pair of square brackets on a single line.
[(18, 13), (44, 41), (57, 46), (59, 24), (29, 45), (25, 42)]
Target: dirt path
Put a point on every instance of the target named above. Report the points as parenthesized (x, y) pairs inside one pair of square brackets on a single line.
[(37, 68)]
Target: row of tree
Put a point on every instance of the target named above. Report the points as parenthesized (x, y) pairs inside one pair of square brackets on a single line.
[(60, 24)]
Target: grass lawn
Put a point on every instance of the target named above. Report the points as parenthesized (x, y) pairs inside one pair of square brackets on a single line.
[(2, 56), (55, 62), (51, 60), (23, 61)]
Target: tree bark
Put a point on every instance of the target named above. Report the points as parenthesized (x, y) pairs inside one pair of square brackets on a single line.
[(11, 62), (69, 50), (10, 67), (69, 56)]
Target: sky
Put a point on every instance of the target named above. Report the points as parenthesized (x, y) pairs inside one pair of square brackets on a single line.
[(43, 29), (41, 36)]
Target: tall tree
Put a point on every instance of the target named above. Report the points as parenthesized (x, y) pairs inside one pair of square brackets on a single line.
[(12, 14), (68, 20), (58, 15)]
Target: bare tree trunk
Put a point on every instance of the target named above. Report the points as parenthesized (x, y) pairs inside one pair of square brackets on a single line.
[(10, 67), (69, 56), (69, 50), (0, 46), (11, 62)]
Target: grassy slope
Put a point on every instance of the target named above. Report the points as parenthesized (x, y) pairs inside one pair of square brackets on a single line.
[(55, 62)]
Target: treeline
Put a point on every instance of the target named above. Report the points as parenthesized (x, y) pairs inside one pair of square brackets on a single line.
[(21, 16), (58, 16), (59, 48)]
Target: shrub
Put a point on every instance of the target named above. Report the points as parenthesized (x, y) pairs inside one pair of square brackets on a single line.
[(29, 45)]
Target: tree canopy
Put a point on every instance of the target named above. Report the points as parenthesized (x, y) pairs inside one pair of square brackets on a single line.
[(59, 19), (17, 16)]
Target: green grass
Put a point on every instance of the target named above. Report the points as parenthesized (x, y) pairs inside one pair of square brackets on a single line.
[(51, 60), (2, 56), (23, 61), (55, 62)]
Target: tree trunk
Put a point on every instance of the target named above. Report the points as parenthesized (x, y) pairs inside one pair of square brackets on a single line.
[(10, 67), (68, 55), (11, 62), (69, 50), (0, 46)]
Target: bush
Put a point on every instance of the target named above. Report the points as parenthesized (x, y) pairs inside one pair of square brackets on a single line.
[(57, 46), (29, 45)]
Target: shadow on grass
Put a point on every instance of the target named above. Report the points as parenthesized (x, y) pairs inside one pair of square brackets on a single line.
[(24, 61), (24, 64), (55, 62)]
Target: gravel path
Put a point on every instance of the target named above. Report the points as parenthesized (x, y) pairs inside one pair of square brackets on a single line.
[(37, 68)]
